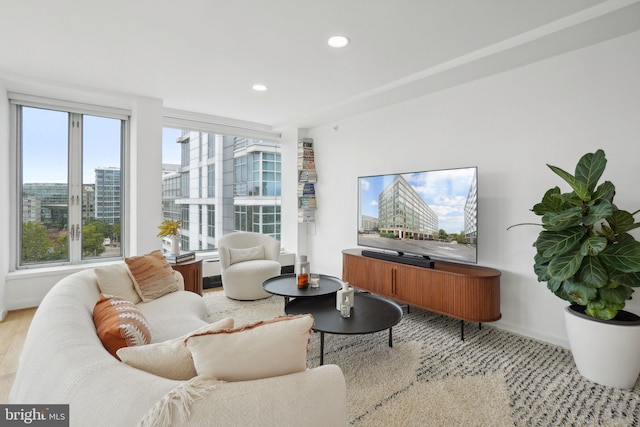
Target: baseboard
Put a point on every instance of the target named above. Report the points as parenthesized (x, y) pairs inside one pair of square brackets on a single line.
[(528, 333)]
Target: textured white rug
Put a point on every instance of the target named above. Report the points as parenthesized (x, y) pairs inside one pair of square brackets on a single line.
[(432, 378), (382, 384)]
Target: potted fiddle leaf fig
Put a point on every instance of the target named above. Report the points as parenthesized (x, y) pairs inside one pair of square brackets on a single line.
[(587, 257)]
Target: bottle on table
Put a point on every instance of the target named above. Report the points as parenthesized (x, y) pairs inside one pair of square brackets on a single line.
[(345, 308), (303, 272)]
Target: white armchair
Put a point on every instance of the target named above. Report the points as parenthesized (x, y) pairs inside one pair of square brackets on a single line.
[(246, 261)]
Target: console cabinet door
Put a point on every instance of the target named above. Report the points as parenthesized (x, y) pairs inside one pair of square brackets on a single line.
[(388, 279), (407, 284), (367, 274)]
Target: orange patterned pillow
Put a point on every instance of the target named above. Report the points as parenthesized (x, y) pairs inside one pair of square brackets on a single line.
[(152, 275), (119, 323)]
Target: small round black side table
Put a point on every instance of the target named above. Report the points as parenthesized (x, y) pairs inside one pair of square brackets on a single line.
[(287, 287), (370, 313)]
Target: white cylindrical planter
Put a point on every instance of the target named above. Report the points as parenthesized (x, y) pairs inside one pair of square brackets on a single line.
[(175, 245), (605, 352)]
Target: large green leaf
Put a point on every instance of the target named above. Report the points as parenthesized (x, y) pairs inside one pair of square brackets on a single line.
[(622, 221), (590, 168), (557, 287), (598, 211), (603, 310), (579, 187), (566, 265), (548, 203), (568, 200), (552, 243), (623, 255), (616, 295), (593, 246), (579, 293), (561, 220), (541, 268), (593, 274), (624, 279), (605, 191)]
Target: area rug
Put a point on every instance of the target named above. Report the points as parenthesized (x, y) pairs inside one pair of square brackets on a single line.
[(430, 377)]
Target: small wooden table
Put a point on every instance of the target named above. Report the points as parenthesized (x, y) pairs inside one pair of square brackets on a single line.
[(192, 273)]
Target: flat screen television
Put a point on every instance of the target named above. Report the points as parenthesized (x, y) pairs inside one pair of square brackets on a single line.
[(430, 214)]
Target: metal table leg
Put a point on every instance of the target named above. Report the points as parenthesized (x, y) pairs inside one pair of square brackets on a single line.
[(321, 348)]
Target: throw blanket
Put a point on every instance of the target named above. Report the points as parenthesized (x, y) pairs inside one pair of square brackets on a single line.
[(178, 402)]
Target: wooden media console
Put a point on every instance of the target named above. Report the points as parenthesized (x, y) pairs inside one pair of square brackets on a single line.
[(465, 292)]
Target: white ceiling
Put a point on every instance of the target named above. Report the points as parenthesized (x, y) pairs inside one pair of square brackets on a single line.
[(204, 55)]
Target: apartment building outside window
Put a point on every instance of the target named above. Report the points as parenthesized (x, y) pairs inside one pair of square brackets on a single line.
[(208, 164), (69, 211)]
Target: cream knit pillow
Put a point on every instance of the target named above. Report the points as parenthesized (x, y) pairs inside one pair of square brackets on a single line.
[(169, 359), (115, 280), (246, 254), (259, 350)]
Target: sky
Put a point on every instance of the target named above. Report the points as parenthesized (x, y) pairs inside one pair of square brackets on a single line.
[(445, 191), (170, 148), (45, 146)]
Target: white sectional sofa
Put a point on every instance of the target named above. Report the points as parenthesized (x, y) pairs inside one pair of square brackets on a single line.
[(64, 361)]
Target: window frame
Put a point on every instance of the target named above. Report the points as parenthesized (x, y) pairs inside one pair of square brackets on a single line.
[(74, 110)]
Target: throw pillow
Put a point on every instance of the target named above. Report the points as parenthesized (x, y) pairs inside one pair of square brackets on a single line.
[(169, 359), (152, 275), (259, 350), (115, 280), (247, 254), (119, 323)]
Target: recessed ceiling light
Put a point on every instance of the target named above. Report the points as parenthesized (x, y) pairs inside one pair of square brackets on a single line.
[(338, 41), (259, 87)]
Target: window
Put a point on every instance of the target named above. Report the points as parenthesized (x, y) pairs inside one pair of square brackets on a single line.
[(260, 219), (236, 177), (211, 221), (211, 181), (69, 182)]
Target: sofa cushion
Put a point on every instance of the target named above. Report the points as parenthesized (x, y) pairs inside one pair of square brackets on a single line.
[(169, 359), (152, 275), (115, 280), (259, 350), (119, 323), (246, 254)]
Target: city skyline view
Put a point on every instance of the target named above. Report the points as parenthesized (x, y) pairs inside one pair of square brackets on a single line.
[(445, 191)]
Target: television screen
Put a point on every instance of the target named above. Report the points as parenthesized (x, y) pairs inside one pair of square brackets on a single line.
[(430, 213)]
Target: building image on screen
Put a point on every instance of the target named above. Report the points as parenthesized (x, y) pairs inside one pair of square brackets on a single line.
[(430, 213)]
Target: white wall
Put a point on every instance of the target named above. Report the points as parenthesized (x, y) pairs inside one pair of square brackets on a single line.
[(509, 125)]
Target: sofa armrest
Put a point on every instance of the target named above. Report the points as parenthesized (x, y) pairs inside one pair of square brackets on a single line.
[(314, 398)]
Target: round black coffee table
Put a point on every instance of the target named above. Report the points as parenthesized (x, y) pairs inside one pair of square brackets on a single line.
[(370, 313), (287, 287)]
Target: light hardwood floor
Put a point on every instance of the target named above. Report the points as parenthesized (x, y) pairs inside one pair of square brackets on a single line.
[(13, 331)]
